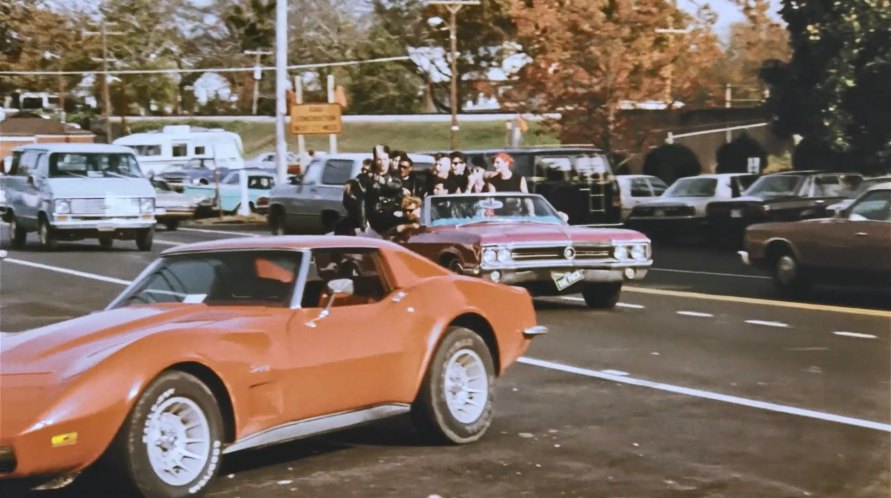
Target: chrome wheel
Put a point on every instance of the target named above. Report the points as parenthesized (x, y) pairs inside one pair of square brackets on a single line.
[(787, 269), (466, 386), (178, 441)]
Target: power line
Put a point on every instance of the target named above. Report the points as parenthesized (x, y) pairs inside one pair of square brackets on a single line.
[(206, 70)]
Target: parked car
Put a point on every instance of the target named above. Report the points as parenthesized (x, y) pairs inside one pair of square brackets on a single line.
[(230, 345), (173, 207), (193, 172), (314, 203), (866, 184), (578, 181), (681, 209), (635, 189), (520, 239), (259, 183), (266, 160), (787, 196), (854, 247), (70, 191)]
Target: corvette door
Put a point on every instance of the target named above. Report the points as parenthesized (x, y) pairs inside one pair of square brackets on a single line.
[(355, 356)]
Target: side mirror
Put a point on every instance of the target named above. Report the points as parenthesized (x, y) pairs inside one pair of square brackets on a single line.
[(31, 180), (563, 216), (336, 287), (295, 180)]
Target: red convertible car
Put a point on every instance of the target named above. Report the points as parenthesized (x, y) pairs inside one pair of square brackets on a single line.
[(222, 346), (520, 239)]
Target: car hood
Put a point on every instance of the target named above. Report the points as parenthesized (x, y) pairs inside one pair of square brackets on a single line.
[(505, 233), (172, 199), (65, 346), (100, 187)]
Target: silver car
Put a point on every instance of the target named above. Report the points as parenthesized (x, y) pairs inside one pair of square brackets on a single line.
[(314, 203), (70, 191)]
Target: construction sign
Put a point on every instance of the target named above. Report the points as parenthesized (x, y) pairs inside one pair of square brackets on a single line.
[(315, 119)]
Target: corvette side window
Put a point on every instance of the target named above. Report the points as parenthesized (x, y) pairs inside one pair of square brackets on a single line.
[(361, 265)]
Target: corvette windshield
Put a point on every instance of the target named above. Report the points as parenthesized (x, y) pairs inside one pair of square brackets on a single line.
[(464, 209), (226, 278)]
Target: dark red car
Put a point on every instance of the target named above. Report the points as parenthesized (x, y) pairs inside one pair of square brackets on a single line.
[(520, 239)]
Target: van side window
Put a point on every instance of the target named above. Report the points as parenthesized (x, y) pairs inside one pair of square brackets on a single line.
[(180, 150), (337, 172), (27, 163), (199, 149)]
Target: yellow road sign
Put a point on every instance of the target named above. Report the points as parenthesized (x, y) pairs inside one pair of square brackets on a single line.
[(315, 119)]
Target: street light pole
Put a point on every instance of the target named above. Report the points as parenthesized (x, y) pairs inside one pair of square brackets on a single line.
[(281, 84), (257, 75), (453, 6)]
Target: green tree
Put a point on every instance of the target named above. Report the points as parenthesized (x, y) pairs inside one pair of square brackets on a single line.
[(834, 91)]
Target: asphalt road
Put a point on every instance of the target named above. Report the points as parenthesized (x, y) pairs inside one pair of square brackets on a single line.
[(702, 382)]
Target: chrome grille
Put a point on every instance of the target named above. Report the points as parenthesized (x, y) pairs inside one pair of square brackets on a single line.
[(105, 205), (557, 252)]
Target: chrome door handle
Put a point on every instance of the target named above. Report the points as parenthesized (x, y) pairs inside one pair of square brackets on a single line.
[(399, 296), (861, 234)]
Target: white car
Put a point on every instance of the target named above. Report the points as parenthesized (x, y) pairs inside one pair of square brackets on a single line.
[(634, 189), (682, 207), (838, 207)]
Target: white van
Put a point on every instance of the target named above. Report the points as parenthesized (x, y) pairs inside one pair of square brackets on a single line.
[(178, 144)]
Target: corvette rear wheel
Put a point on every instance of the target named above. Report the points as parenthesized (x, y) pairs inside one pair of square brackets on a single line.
[(170, 444), (455, 401)]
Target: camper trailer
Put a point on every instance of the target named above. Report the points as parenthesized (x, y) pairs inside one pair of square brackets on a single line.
[(182, 144)]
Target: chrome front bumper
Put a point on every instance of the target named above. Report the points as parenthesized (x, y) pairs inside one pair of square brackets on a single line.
[(519, 276), (744, 257), (111, 224)]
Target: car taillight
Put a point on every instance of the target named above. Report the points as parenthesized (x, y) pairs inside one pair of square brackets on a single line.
[(262, 201)]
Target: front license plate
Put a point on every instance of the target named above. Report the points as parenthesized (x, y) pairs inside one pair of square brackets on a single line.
[(736, 213), (564, 279), (659, 212), (105, 228)]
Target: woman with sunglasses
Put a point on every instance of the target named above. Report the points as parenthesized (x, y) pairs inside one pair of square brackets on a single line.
[(457, 181)]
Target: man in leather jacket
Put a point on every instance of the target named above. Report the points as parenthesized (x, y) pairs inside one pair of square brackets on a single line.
[(383, 196)]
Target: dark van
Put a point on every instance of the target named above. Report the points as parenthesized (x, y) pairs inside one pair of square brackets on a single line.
[(576, 180)]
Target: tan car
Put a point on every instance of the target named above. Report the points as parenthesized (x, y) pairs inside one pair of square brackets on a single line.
[(853, 247)]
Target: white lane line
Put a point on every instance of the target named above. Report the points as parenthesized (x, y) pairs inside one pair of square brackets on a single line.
[(630, 306), (855, 334), (697, 393), (223, 232), (811, 348), (101, 278), (767, 323), (618, 305), (169, 243), (696, 314), (693, 272), (615, 372)]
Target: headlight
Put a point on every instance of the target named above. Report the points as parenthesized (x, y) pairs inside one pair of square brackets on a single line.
[(504, 255), (62, 206), (639, 252), (146, 205), (490, 255), (621, 253)]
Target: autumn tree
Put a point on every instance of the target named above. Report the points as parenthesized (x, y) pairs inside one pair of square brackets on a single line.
[(753, 41), (590, 56), (835, 89)]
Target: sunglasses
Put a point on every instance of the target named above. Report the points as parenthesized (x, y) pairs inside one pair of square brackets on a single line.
[(457, 162), (405, 166)]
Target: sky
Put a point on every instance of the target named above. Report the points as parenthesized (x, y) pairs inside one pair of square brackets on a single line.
[(728, 13)]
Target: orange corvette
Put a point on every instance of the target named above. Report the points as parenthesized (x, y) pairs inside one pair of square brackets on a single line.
[(223, 346)]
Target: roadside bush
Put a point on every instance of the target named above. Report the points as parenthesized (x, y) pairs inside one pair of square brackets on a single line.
[(670, 162)]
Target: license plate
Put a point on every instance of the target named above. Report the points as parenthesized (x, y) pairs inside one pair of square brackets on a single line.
[(105, 228), (659, 212), (736, 213), (564, 279)]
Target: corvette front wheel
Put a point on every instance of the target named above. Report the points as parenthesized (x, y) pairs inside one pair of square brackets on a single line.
[(171, 443), (455, 401)]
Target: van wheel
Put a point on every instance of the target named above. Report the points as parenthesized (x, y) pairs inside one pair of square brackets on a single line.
[(45, 233), (144, 239), (17, 234), (277, 224), (171, 225)]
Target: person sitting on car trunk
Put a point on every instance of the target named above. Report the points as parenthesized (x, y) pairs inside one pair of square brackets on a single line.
[(504, 179)]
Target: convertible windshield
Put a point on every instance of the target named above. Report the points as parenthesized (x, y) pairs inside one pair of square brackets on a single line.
[(775, 186), (93, 165), (692, 187), (263, 278), (463, 209)]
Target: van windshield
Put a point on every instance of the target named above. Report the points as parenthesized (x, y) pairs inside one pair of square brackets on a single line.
[(93, 165)]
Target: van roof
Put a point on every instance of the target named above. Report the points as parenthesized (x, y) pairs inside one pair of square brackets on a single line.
[(75, 148)]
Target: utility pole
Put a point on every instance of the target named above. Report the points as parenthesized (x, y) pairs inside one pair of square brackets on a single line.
[(106, 96), (453, 6), (258, 74), (669, 69)]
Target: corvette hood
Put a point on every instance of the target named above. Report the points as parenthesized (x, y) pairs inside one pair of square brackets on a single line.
[(505, 233), (59, 346)]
